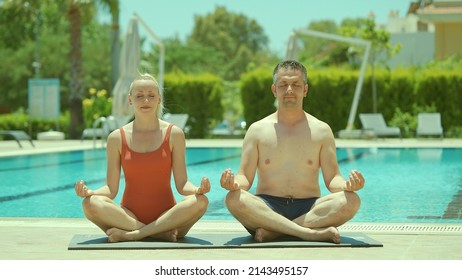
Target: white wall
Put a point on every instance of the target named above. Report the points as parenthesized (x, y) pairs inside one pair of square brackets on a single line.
[(417, 49)]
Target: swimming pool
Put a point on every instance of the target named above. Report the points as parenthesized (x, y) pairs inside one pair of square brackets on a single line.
[(402, 184)]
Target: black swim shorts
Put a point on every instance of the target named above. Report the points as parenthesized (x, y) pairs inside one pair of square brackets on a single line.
[(291, 208)]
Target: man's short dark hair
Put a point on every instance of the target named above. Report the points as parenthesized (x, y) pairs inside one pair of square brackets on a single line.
[(289, 64)]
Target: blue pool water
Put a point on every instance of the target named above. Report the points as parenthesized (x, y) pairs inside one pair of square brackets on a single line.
[(402, 184)]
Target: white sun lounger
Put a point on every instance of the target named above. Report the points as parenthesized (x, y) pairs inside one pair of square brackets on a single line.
[(376, 123), (429, 124), (179, 120), (18, 135)]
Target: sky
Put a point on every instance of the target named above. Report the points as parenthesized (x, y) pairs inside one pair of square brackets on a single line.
[(170, 18)]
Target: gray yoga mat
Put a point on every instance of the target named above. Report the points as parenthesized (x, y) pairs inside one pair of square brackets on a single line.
[(208, 241)]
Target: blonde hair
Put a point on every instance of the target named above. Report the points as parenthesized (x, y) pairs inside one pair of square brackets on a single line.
[(149, 77)]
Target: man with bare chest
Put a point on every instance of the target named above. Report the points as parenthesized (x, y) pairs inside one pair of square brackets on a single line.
[(288, 148)]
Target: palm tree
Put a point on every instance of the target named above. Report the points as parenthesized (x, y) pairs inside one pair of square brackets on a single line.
[(113, 6), (76, 81), (74, 15)]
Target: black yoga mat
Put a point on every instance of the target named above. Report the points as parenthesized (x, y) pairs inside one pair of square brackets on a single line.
[(215, 240)]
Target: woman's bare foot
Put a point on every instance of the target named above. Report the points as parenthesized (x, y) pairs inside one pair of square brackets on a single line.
[(170, 236), (118, 235)]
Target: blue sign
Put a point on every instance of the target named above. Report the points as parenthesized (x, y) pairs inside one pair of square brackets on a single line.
[(44, 101)]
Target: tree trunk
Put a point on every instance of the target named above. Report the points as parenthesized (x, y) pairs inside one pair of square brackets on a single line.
[(115, 51), (76, 80), (374, 90), (374, 85)]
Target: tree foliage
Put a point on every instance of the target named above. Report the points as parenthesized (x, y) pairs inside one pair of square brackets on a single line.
[(50, 46), (191, 58), (319, 52), (235, 35), (19, 21)]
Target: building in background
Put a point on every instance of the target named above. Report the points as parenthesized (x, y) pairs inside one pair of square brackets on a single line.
[(431, 30), (446, 16)]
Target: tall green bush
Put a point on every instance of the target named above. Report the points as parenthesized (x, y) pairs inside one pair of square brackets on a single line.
[(399, 91), (330, 93), (20, 120), (199, 96), (256, 95), (442, 88)]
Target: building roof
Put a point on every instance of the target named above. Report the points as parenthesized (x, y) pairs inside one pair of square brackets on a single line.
[(437, 11)]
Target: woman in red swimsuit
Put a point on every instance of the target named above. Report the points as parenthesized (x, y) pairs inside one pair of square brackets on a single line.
[(148, 149)]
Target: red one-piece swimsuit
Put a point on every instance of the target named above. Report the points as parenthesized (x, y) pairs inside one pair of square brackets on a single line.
[(147, 193)]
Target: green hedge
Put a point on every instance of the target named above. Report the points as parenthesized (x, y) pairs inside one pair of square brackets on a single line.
[(21, 121), (198, 96), (444, 90), (256, 95), (329, 96)]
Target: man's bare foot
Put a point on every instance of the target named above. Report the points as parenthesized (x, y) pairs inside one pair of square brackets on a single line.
[(329, 234), (263, 235), (170, 236)]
